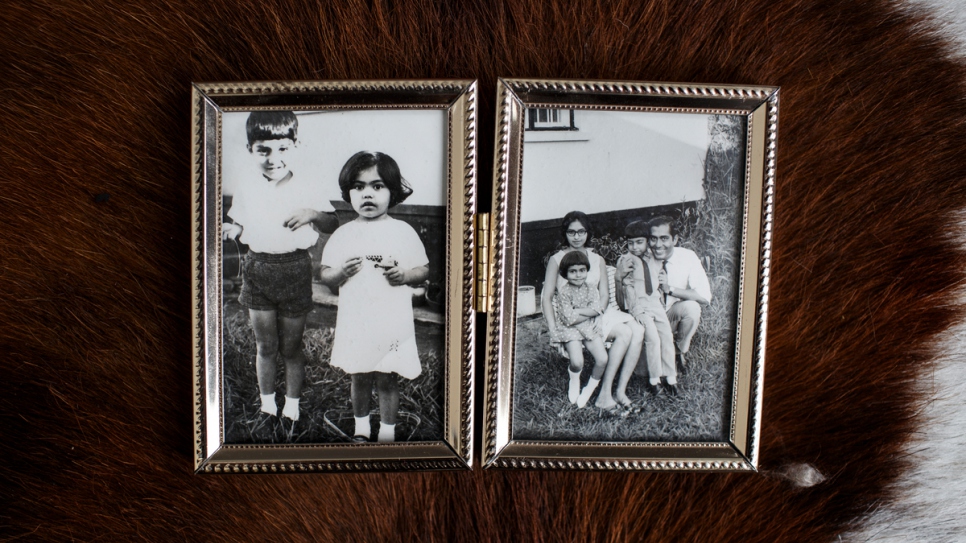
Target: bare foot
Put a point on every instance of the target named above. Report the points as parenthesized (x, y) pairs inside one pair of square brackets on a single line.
[(605, 403), (622, 399)]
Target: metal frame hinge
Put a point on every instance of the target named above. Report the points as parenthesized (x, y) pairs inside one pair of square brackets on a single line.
[(482, 298)]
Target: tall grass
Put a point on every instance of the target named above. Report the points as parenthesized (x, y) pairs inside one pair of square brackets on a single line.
[(326, 413), (712, 229)]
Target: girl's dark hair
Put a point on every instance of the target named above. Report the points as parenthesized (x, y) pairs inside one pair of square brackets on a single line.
[(571, 259), (388, 170), (271, 125), (579, 216), (637, 229)]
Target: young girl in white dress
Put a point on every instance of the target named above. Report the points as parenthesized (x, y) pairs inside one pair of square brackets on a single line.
[(373, 260), (577, 308)]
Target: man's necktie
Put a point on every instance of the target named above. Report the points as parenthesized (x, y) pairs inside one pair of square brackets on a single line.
[(664, 293)]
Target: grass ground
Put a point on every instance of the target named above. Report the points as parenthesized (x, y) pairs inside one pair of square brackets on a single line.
[(326, 414), (541, 409), (712, 229)]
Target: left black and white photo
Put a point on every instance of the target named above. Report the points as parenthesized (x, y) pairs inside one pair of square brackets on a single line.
[(331, 252), (329, 223)]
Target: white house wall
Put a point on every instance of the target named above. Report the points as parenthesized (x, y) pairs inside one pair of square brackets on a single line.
[(623, 160)]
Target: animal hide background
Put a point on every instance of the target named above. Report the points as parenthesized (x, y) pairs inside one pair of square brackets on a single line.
[(95, 392)]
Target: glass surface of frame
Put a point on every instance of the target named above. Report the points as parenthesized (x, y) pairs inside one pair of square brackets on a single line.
[(333, 275), (629, 277)]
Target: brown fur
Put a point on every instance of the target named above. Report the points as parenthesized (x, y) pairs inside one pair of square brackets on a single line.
[(95, 392)]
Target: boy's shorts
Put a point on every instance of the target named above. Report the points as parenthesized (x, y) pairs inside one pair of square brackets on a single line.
[(277, 282)]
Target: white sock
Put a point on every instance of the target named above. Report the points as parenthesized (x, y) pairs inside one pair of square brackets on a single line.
[(574, 390), (291, 408), (655, 381), (672, 379), (268, 404), (362, 426), (387, 432), (587, 392)]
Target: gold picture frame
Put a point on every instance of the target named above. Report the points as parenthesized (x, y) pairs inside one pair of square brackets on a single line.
[(432, 126), (628, 151)]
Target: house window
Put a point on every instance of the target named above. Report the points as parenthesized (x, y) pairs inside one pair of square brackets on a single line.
[(550, 119)]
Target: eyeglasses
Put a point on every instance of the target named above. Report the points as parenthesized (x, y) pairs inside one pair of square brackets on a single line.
[(576, 233)]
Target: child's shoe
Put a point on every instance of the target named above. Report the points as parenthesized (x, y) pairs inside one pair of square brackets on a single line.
[(387, 433), (574, 390), (362, 431), (291, 408), (587, 392), (268, 404)]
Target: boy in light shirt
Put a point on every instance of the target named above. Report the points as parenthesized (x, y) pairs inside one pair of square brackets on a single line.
[(272, 214), (640, 297)]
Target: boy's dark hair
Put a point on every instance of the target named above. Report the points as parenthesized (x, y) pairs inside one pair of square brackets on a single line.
[(580, 217), (637, 229), (661, 220), (388, 170), (571, 259), (271, 125)]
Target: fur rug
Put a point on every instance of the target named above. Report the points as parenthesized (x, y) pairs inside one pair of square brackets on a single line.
[(96, 393)]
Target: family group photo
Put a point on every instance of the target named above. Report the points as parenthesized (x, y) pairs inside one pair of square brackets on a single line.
[(630, 237), (333, 248)]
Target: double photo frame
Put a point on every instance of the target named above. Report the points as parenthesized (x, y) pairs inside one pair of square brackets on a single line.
[(340, 261)]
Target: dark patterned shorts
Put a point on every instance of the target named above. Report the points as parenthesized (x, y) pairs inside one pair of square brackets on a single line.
[(278, 282)]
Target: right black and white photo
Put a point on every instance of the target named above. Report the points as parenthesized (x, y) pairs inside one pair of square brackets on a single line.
[(630, 254)]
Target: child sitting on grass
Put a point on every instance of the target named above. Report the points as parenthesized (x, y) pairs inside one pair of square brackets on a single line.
[(374, 260), (271, 213), (637, 295), (576, 306)]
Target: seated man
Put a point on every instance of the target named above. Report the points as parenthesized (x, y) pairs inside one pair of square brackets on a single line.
[(682, 281)]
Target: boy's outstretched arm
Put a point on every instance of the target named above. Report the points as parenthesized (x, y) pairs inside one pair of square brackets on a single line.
[(324, 221), (231, 230)]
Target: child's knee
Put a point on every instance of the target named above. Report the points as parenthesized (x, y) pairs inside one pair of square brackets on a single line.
[(650, 333), (267, 346), (637, 331), (291, 348)]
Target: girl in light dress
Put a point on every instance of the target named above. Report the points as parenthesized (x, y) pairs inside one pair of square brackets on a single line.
[(374, 260), (577, 306)]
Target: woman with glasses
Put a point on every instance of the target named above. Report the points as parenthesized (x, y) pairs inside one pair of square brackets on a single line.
[(626, 335)]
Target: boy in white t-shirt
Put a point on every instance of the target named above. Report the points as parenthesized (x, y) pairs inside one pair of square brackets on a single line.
[(271, 213)]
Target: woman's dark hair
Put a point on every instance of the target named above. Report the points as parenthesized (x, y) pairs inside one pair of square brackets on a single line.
[(580, 217), (571, 259), (388, 171)]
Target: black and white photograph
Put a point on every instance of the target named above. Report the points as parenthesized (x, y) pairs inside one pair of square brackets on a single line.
[(333, 268), (630, 272), (333, 230), (630, 233)]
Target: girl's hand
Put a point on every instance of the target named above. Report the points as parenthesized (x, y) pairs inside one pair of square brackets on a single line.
[(662, 281), (230, 230), (300, 218), (625, 265), (352, 266), (395, 276)]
